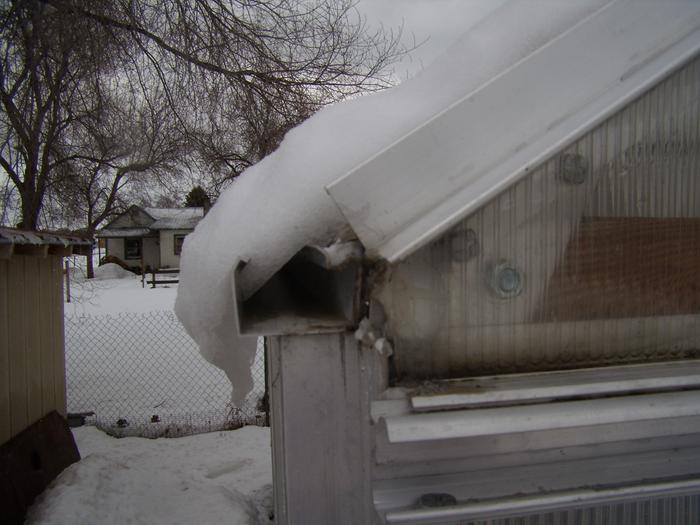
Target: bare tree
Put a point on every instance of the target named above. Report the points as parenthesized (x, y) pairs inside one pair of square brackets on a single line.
[(7, 202), (118, 144), (236, 75), (36, 86), (271, 47)]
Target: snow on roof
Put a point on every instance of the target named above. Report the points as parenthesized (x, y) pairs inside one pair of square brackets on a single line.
[(281, 205), (123, 232), (175, 218), (17, 237)]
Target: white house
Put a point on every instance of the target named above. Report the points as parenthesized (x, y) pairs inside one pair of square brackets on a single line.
[(150, 237), (480, 288)]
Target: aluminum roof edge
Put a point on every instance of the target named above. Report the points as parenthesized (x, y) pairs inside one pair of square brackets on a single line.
[(492, 138)]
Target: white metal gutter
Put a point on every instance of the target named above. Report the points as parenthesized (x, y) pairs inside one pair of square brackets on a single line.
[(532, 388), (459, 424), (413, 191)]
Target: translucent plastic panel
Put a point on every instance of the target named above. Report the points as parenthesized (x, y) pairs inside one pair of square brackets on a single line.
[(593, 258)]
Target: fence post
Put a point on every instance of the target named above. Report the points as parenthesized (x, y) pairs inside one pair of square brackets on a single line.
[(67, 281), (266, 395)]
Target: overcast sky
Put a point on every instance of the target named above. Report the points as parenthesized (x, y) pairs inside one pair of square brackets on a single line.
[(437, 23)]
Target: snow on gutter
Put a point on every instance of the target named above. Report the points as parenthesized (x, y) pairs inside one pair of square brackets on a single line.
[(280, 205)]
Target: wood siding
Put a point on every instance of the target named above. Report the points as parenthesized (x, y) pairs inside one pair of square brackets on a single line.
[(168, 259), (32, 366), (115, 247)]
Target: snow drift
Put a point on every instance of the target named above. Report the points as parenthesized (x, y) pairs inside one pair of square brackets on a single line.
[(112, 271), (219, 477), (280, 205)]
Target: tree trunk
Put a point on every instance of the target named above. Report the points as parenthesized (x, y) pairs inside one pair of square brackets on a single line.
[(90, 266), (30, 211), (90, 269)]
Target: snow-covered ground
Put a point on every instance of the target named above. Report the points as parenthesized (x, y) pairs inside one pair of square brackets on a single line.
[(220, 477), (114, 292)]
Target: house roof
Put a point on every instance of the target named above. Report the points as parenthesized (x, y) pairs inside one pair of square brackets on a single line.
[(108, 233), (41, 243), (175, 218), (162, 219)]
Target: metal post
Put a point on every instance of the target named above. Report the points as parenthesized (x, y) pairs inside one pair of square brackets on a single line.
[(267, 386), (67, 281)]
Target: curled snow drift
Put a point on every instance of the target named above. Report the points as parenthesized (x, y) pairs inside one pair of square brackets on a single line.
[(280, 205)]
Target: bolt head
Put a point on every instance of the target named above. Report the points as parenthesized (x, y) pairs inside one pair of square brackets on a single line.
[(506, 280)]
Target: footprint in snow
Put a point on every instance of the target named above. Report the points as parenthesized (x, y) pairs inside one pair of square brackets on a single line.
[(227, 468)]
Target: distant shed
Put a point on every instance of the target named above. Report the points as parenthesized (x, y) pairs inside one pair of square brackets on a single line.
[(32, 370)]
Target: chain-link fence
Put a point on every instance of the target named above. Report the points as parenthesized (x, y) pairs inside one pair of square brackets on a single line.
[(142, 375)]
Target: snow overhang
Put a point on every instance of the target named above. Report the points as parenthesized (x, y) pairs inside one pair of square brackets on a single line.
[(439, 145), (414, 190)]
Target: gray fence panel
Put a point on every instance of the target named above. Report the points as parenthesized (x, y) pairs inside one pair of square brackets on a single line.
[(142, 375)]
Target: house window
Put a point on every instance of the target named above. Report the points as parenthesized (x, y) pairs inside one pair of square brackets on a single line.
[(132, 248), (178, 242)]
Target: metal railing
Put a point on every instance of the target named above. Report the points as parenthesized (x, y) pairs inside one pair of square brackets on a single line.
[(140, 374)]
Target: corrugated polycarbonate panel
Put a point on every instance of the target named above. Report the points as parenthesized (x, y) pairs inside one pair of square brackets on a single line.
[(681, 510), (592, 259)]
